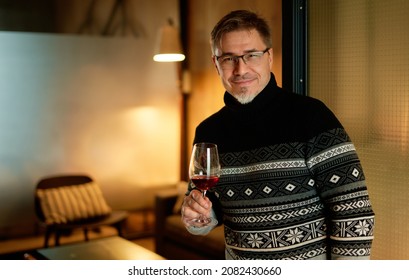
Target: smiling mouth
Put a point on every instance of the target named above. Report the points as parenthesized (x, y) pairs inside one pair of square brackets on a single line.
[(243, 82)]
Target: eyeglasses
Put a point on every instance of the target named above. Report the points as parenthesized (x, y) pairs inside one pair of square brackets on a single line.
[(228, 62)]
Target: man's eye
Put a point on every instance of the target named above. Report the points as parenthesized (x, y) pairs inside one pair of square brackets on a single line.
[(253, 55), (227, 59)]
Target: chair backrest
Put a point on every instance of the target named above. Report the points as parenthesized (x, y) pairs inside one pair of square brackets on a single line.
[(56, 182), (63, 180)]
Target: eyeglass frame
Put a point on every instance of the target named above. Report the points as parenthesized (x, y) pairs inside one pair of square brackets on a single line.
[(237, 57)]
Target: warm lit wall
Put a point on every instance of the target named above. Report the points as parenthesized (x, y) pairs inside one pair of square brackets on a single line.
[(207, 91), (88, 104), (359, 66)]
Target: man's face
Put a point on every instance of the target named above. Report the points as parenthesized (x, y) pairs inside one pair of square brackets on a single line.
[(243, 81)]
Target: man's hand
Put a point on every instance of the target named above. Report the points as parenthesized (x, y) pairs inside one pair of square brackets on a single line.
[(195, 206)]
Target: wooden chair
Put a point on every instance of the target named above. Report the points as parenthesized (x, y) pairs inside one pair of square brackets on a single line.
[(113, 218)]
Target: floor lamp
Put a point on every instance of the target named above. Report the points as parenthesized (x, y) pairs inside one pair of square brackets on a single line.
[(169, 49)]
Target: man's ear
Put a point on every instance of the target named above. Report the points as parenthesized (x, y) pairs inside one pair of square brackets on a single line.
[(270, 52), (215, 65)]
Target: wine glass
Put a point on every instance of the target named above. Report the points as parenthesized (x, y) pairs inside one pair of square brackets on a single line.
[(204, 170)]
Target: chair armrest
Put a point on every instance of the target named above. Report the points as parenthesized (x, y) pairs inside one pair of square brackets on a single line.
[(164, 203)]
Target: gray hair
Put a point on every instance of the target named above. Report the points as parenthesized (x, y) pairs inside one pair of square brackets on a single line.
[(240, 20)]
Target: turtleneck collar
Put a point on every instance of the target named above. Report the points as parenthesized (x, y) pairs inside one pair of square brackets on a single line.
[(258, 102)]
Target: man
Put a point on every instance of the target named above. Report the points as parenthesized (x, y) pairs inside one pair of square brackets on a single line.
[(292, 186)]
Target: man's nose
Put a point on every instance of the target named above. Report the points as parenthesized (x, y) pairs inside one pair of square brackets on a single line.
[(240, 66)]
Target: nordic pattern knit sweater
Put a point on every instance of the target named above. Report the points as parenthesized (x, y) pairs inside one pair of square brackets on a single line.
[(292, 186)]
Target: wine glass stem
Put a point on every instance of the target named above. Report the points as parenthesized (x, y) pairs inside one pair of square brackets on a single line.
[(204, 193)]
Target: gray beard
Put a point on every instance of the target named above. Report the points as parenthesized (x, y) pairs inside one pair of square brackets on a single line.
[(243, 97)]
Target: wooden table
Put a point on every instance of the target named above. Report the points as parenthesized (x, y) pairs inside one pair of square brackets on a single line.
[(109, 248)]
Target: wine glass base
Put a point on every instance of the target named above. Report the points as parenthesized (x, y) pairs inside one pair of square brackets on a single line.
[(202, 221)]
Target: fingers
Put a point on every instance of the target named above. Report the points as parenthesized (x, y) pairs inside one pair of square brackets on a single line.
[(198, 202), (195, 206)]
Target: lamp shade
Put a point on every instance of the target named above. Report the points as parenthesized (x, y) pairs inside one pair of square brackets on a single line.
[(169, 47)]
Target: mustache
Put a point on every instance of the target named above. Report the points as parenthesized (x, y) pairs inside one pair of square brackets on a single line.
[(241, 78)]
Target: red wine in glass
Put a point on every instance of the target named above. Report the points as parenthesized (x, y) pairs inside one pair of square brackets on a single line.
[(204, 183)]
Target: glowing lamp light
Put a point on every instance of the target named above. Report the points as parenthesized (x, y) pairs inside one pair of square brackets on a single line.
[(169, 47)]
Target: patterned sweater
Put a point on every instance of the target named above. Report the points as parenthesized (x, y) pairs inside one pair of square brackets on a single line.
[(292, 186)]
